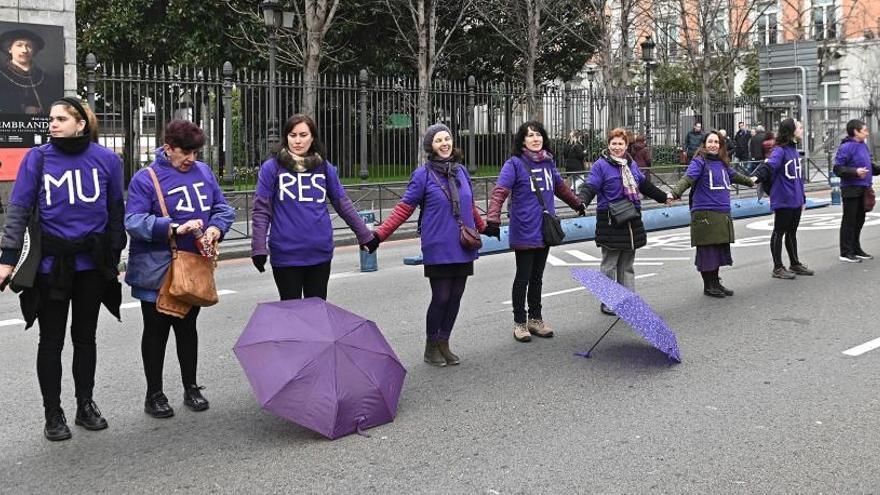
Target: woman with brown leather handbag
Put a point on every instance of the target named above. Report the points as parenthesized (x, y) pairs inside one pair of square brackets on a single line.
[(165, 244)]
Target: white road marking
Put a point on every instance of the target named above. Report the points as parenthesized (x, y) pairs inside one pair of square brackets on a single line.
[(575, 289), (137, 304), (130, 305), (14, 321), (861, 349), (588, 257), (224, 292)]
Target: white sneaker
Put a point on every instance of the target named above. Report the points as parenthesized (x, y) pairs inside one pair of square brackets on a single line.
[(849, 259)]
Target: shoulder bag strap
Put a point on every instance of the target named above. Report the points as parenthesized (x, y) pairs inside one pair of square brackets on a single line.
[(537, 190), (455, 213), (159, 195)]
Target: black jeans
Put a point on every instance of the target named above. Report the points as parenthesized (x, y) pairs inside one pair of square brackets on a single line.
[(785, 225), (529, 280), (297, 282), (157, 326), (85, 301), (851, 226)]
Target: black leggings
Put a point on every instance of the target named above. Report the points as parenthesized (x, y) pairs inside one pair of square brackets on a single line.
[(88, 288), (529, 280), (297, 282), (157, 326), (851, 226), (446, 294), (785, 225)]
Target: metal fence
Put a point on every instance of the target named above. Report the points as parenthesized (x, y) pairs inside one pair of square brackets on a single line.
[(134, 101)]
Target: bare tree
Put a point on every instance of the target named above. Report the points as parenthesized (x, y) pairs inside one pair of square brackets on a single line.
[(302, 45), (529, 27), (425, 37)]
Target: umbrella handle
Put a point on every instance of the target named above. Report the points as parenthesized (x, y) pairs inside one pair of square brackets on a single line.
[(360, 420), (587, 354)]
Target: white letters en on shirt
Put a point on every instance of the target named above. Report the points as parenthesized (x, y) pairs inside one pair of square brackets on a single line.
[(72, 179), (295, 187), (543, 178)]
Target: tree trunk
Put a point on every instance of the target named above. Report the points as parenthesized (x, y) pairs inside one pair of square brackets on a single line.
[(534, 13), (311, 69)]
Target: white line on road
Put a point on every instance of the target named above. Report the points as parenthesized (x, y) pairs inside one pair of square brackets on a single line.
[(575, 289), (861, 349), (14, 321), (137, 304)]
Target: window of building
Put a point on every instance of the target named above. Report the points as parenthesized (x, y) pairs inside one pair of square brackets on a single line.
[(767, 31), (667, 37), (824, 20), (720, 34)]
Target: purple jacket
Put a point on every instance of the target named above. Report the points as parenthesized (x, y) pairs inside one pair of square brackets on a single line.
[(194, 194), (439, 229), (606, 181), (787, 190), (77, 195), (290, 209), (850, 156)]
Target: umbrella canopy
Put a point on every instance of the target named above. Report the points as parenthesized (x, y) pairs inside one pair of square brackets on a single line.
[(631, 308), (320, 366)]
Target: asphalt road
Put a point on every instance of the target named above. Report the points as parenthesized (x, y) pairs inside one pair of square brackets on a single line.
[(765, 400)]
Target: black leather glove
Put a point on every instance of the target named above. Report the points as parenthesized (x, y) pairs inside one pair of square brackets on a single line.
[(259, 261), (372, 245), (582, 210), (493, 229)]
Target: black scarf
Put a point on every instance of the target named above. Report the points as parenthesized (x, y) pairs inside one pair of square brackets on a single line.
[(73, 145), (447, 167)]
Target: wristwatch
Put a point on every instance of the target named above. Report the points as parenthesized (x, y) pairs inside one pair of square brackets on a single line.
[(174, 227)]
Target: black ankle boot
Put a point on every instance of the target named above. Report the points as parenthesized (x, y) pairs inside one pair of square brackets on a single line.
[(443, 347), (56, 425), (711, 288), (193, 399), (157, 406), (432, 354), (725, 290), (88, 415)]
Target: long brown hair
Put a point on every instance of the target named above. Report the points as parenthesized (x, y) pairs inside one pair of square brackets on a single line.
[(722, 147)]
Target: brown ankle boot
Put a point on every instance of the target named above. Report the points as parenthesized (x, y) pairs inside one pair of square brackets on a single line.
[(432, 354), (443, 347)]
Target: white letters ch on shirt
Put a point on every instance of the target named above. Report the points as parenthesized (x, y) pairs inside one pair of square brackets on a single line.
[(793, 169), (302, 182), (69, 178), (185, 203)]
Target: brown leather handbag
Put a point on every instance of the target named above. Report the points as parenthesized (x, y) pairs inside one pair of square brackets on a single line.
[(190, 278), (869, 198)]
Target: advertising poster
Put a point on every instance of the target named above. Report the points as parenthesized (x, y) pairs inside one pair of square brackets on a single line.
[(31, 78)]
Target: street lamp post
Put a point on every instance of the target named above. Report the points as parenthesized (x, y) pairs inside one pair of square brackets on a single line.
[(272, 18), (591, 77), (648, 57)]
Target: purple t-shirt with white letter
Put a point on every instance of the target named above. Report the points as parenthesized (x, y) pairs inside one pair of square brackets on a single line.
[(526, 215), (787, 189), (73, 193), (711, 184), (440, 233), (300, 233)]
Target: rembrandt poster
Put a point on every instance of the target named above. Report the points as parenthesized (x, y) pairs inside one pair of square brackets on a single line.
[(31, 78)]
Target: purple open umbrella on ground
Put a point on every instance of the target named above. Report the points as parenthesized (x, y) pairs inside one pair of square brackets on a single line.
[(631, 308), (320, 366)]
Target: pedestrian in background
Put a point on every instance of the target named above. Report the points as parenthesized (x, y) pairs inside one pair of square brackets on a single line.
[(693, 139), (741, 142), (529, 172), (854, 165), (573, 152), (442, 189), (756, 144), (783, 173), (290, 209), (640, 154), (728, 143), (709, 176), (616, 179), (80, 244), (768, 144), (197, 208)]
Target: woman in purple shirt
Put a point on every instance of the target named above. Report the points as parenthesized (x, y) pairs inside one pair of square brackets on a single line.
[(709, 176), (290, 209), (74, 186), (856, 169), (442, 189), (531, 169), (783, 174), (196, 206)]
